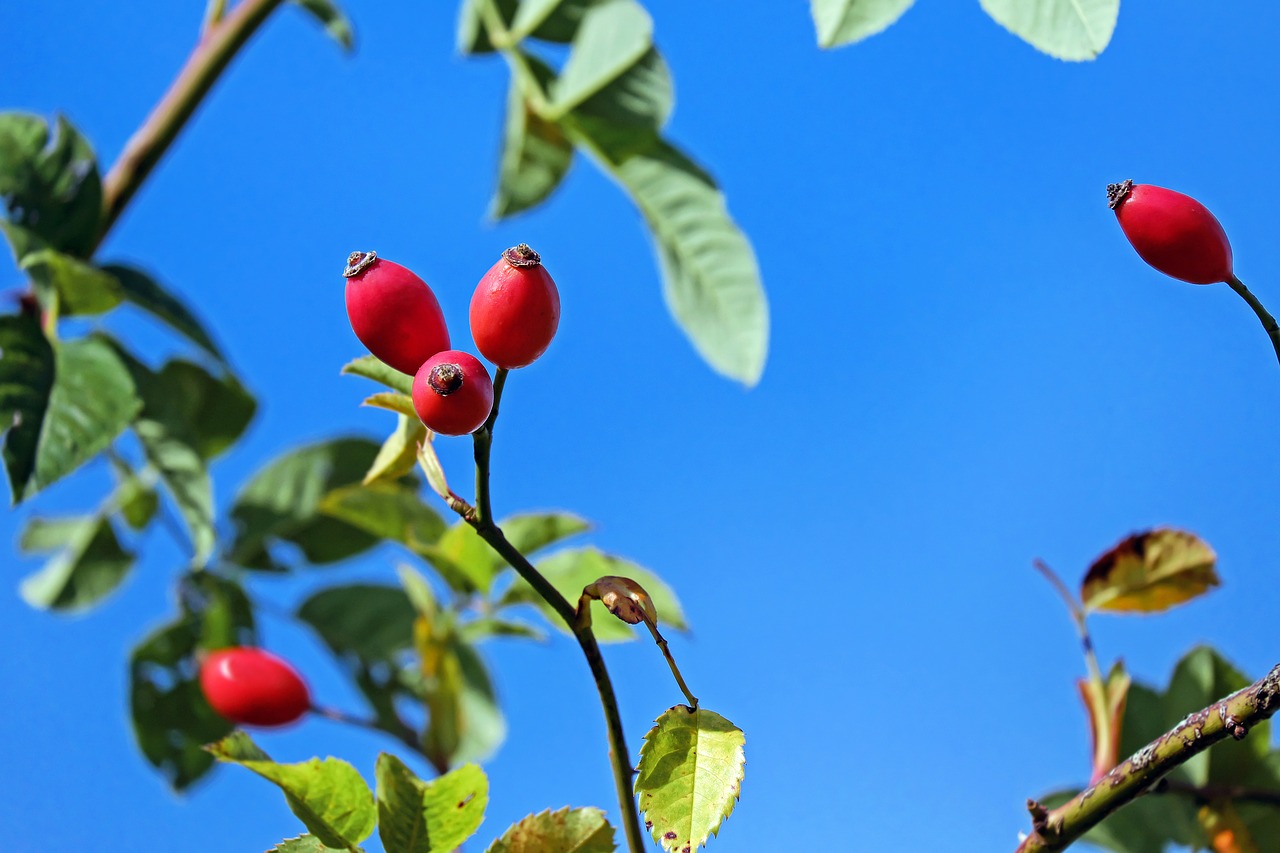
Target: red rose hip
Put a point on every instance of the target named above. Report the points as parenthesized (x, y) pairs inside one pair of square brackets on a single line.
[(393, 312), (452, 393), (515, 310), (253, 688), (1172, 232)]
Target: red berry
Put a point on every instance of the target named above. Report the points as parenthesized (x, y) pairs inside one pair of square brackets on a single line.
[(452, 393), (515, 310), (252, 687), (1173, 232), (393, 312)]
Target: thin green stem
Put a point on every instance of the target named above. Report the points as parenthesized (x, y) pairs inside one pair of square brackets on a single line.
[(671, 661), (148, 145), (1268, 322)]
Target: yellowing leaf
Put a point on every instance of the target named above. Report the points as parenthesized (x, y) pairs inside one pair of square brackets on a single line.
[(1150, 572)]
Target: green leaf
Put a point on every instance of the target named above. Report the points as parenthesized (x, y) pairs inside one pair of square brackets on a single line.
[(91, 564), (472, 35), (428, 817), (136, 501), (536, 155), (690, 776), (1066, 29), (532, 531), (49, 184), (334, 21), (571, 570), (386, 510), (280, 504), (841, 22), (399, 453), (1201, 678), (144, 292), (91, 401), (626, 116), (1150, 572), (612, 37), (79, 286), (563, 831), (328, 795), (393, 401), (26, 378), (370, 621), (464, 722), (487, 627), (370, 368), (710, 279), (462, 558), (301, 844)]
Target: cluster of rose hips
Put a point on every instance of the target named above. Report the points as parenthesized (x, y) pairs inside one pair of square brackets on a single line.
[(514, 315)]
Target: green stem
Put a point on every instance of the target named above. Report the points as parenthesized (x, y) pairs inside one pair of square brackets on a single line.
[(148, 145), (481, 518), (671, 661), (1268, 322)]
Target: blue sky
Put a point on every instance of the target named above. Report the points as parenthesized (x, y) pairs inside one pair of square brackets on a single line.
[(969, 369)]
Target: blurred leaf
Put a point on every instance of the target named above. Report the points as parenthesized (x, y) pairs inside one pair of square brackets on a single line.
[(536, 155), (137, 501), (462, 558), (372, 622), (418, 591), (571, 570), (386, 510), (143, 291), (625, 117), (91, 401), (302, 844), (1066, 29), (568, 830), (472, 36), (393, 401), (90, 565), (1149, 572), (530, 532), (44, 535), (428, 817), (464, 722), (49, 183), (710, 279), (487, 627), (370, 368), (224, 609), (841, 22), (690, 776), (281, 501), (612, 36), (26, 378), (398, 453), (1201, 678), (1145, 825), (332, 18), (328, 795), (79, 286), (1108, 701)]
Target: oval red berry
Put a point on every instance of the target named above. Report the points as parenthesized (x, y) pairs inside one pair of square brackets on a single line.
[(452, 393), (393, 312), (515, 310), (1172, 232), (253, 688)]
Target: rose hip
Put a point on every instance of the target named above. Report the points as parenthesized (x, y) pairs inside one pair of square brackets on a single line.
[(515, 310), (1172, 232), (253, 687), (452, 393), (393, 312)]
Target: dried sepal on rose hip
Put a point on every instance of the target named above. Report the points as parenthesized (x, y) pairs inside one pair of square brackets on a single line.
[(515, 310), (252, 687), (1172, 232), (452, 393), (393, 312)]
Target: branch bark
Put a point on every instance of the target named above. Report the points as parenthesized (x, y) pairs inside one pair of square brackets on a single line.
[(1230, 717)]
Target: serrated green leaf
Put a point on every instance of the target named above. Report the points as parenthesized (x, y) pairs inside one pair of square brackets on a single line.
[(302, 844), (386, 510), (710, 279), (370, 621), (79, 287), (370, 368), (536, 155), (334, 21), (612, 36), (89, 567), (281, 502), (1149, 572), (562, 831), (26, 378), (142, 290), (91, 400), (1073, 30), (49, 184), (690, 776), (327, 795), (428, 817), (571, 570), (841, 22)]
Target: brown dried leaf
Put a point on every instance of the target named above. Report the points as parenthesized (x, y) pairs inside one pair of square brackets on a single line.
[(1149, 572)]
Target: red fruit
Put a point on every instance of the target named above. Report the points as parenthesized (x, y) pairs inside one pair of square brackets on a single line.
[(515, 310), (254, 688), (452, 393), (1173, 232), (393, 312)]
